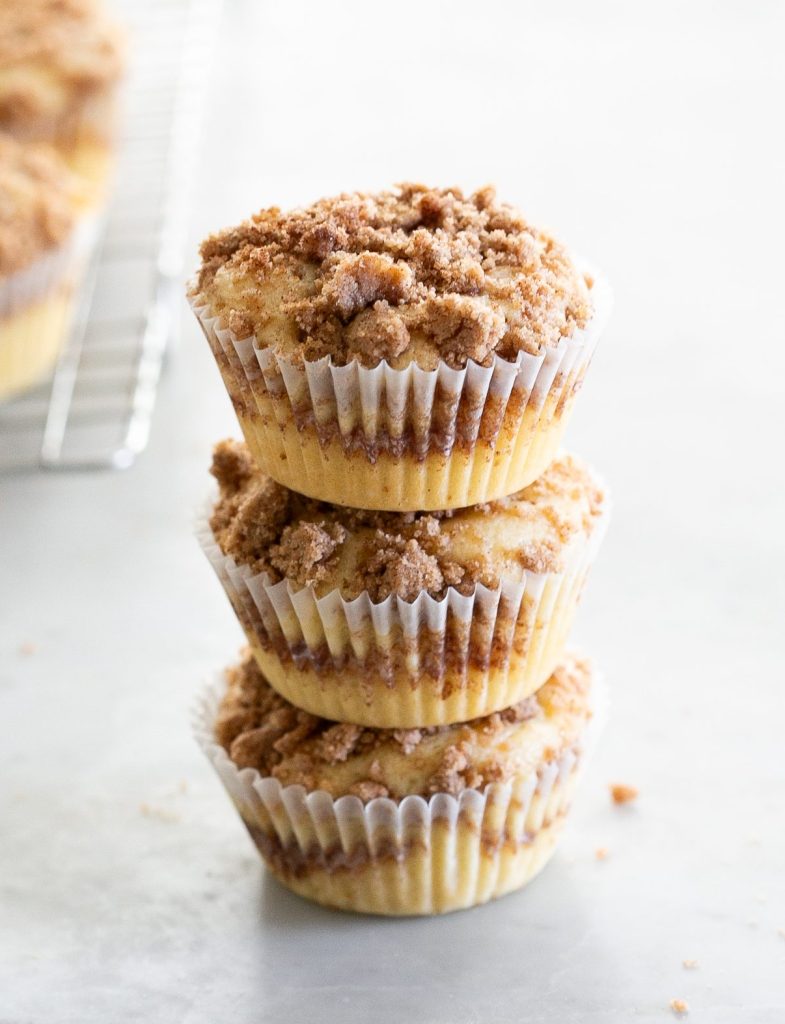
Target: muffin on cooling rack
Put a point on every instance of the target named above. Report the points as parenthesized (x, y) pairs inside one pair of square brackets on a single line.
[(402, 619), (60, 66), (42, 242), (412, 821), (411, 349)]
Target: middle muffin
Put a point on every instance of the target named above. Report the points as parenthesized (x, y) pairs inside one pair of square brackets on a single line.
[(403, 619)]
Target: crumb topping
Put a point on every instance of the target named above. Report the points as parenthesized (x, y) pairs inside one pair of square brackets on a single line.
[(36, 203), (54, 54), (264, 525), (413, 274), (260, 729)]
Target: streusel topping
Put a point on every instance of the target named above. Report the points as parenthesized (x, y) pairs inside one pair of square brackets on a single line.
[(37, 209), (415, 274), (53, 52), (264, 525), (260, 729)]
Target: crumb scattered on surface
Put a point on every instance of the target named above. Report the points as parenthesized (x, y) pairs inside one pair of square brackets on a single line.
[(622, 793), (691, 965), (602, 853), (158, 812), (27, 649), (679, 1007)]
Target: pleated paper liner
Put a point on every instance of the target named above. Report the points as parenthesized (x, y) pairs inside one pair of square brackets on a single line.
[(36, 307), (407, 857), (409, 439), (398, 664)]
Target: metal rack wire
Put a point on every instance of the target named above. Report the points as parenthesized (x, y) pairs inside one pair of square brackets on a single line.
[(96, 411)]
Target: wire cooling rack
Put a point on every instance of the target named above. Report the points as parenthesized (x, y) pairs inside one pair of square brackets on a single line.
[(95, 412)]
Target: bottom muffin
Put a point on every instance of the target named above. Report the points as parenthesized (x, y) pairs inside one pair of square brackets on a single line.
[(400, 821)]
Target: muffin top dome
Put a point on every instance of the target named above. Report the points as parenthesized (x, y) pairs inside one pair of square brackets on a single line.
[(37, 203), (272, 529), (416, 274), (53, 55), (260, 729)]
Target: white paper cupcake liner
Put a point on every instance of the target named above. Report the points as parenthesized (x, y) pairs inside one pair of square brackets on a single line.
[(36, 304), (49, 272), (485, 418), (405, 664), (412, 856)]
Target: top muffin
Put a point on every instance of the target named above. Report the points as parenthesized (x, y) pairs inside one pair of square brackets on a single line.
[(415, 274), (55, 55)]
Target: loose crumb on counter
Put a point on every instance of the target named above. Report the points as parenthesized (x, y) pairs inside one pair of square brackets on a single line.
[(690, 965), (602, 853), (160, 813), (622, 793), (679, 1007)]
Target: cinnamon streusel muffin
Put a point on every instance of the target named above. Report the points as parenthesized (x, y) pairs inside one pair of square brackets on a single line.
[(399, 619), (60, 66), (411, 821), (413, 349), (40, 253)]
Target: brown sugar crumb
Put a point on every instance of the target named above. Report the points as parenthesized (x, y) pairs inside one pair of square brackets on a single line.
[(623, 794), (232, 466), (368, 276), (271, 529), (404, 568), (449, 777), (690, 965), (368, 790), (602, 853), (379, 333), (679, 1007), (339, 741), (408, 738), (307, 551), (354, 282)]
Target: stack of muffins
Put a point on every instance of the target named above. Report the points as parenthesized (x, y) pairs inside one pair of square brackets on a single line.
[(60, 67), (402, 541)]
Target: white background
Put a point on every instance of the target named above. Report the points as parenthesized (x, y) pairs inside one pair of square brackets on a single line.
[(650, 138)]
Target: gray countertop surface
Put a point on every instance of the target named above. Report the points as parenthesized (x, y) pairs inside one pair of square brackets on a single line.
[(647, 136)]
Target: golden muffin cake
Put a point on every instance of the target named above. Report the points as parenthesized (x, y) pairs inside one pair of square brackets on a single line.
[(405, 821), (406, 350), (403, 619), (40, 257), (60, 66)]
